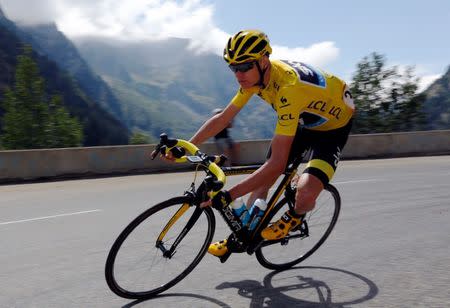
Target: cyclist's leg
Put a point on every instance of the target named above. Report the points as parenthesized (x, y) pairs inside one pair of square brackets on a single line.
[(326, 148), (326, 151), (279, 229)]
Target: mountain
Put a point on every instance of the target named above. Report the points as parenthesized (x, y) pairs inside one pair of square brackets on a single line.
[(437, 104), (166, 87), (47, 40), (99, 126)]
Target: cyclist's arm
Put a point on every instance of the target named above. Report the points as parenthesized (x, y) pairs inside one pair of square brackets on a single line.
[(269, 172), (215, 124), (218, 122)]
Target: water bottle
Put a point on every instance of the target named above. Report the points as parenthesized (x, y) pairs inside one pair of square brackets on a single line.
[(257, 212), (240, 210)]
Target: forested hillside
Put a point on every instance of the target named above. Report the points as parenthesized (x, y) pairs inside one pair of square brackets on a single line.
[(48, 41), (99, 127)]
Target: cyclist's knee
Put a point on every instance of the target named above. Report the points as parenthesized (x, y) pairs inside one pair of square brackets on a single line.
[(308, 189)]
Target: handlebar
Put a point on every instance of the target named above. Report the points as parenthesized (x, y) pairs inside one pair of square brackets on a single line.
[(198, 158)]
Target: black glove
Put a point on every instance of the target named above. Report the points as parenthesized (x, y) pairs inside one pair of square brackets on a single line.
[(178, 152), (221, 200)]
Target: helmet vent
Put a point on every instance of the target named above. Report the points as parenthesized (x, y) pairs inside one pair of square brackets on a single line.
[(247, 44), (238, 43), (261, 45)]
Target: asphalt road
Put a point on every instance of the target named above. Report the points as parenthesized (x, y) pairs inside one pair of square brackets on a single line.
[(390, 248)]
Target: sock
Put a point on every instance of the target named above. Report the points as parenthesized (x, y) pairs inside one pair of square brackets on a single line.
[(294, 214)]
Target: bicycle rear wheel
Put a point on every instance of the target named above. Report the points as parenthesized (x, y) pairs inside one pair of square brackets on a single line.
[(140, 263), (303, 241)]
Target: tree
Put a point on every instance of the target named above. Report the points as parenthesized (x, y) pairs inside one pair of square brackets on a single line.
[(385, 98), (367, 91), (30, 119), (62, 129)]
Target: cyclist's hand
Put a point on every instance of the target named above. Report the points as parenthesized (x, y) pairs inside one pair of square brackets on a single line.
[(171, 155), (222, 199), (167, 156)]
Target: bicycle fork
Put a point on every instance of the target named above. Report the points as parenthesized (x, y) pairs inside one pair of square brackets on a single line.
[(168, 253)]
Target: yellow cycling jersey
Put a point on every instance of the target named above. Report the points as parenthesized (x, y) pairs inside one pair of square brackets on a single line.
[(302, 95)]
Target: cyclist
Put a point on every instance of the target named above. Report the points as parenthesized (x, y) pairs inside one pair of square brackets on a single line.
[(314, 112), (225, 143)]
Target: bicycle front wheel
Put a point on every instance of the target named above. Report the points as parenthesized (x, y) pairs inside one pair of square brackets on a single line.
[(303, 241), (159, 248)]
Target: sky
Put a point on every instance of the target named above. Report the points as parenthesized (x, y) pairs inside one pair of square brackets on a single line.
[(333, 35)]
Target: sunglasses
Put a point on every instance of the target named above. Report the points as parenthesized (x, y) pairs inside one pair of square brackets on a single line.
[(243, 67)]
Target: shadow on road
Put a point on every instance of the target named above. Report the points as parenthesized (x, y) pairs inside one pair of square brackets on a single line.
[(208, 300), (304, 281), (300, 281)]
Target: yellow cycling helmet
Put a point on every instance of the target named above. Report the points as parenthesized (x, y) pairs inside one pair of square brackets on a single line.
[(246, 45)]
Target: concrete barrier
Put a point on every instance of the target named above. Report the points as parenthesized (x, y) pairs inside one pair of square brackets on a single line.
[(110, 160)]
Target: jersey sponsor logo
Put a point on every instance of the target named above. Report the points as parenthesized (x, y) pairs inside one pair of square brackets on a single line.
[(308, 74), (285, 117), (276, 86), (310, 120), (337, 156), (324, 108), (284, 102)]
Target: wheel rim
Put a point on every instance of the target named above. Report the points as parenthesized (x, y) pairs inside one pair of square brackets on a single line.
[(139, 269), (297, 247)]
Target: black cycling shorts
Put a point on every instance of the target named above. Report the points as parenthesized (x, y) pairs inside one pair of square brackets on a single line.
[(325, 148)]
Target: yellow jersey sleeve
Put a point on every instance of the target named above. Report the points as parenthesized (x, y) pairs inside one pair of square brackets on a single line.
[(242, 97)]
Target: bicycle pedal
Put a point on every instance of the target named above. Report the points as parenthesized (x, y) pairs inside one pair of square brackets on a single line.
[(225, 257), (302, 228)]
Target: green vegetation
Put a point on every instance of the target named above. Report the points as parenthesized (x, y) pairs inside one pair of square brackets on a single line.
[(30, 119), (386, 99), (100, 127), (140, 138)]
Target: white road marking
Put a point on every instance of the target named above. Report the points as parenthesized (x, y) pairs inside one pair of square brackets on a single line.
[(357, 181), (47, 217)]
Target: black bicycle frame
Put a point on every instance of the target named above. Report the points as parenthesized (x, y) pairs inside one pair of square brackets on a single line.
[(252, 239)]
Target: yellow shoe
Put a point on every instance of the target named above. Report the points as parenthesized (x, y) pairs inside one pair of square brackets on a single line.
[(280, 228), (218, 249)]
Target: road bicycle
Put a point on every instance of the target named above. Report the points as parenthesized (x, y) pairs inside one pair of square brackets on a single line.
[(166, 242)]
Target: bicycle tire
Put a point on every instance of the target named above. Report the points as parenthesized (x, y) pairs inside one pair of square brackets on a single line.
[(138, 289), (270, 258)]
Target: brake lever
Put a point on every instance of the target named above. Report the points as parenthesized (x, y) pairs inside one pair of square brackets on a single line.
[(156, 151), (163, 140)]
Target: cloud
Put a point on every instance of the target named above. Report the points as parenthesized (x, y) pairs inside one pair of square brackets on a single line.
[(426, 80), (30, 12), (317, 54), (148, 20)]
